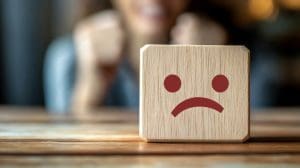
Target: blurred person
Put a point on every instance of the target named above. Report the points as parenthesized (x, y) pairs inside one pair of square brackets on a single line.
[(99, 64)]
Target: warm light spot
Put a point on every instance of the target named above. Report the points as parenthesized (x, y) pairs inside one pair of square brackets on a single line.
[(261, 9), (291, 4)]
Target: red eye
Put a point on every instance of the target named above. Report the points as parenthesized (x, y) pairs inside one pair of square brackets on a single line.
[(172, 83), (220, 83)]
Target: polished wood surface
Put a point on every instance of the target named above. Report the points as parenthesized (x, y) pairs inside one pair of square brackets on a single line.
[(109, 138), (173, 161)]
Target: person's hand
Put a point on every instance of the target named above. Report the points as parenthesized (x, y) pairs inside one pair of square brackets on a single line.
[(99, 44), (100, 39), (192, 29)]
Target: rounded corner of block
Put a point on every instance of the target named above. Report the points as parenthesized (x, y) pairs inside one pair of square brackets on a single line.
[(245, 49), (245, 137), (145, 47), (144, 138)]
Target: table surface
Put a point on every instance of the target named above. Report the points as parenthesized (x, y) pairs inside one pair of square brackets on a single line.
[(108, 137)]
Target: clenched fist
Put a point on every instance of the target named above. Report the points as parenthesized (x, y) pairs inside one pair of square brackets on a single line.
[(99, 45)]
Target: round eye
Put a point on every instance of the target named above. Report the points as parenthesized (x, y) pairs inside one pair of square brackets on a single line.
[(220, 83), (172, 83)]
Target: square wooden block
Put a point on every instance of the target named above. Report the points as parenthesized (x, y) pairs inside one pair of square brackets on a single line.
[(194, 93)]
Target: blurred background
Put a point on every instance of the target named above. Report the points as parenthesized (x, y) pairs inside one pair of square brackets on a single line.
[(269, 28)]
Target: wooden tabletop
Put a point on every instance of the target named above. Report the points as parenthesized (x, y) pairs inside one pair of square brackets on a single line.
[(109, 138)]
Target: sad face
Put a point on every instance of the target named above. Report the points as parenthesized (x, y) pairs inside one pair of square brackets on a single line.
[(172, 83), (194, 93)]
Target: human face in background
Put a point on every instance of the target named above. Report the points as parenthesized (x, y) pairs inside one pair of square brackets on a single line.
[(150, 17)]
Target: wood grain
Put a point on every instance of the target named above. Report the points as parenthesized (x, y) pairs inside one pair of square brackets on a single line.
[(39, 115), (118, 132), (196, 66), (265, 161), (69, 132), (110, 124), (276, 115), (143, 148), (108, 137)]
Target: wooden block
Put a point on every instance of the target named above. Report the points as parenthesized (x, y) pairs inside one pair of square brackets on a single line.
[(194, 93)]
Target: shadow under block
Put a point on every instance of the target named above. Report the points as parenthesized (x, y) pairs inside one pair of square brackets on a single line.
[(194, 93)]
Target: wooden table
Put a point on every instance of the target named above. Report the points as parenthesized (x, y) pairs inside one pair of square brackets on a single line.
[(109, 138)]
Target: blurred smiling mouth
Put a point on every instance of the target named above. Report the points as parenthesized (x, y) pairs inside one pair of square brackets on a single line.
[(152, 11)]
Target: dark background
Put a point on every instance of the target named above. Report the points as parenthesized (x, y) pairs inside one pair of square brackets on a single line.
[(271, 32)]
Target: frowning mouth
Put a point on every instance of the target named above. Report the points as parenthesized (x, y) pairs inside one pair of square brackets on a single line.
[(196, 102)]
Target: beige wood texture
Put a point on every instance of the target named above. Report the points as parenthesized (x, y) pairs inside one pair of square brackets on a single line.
[(196, 66)]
